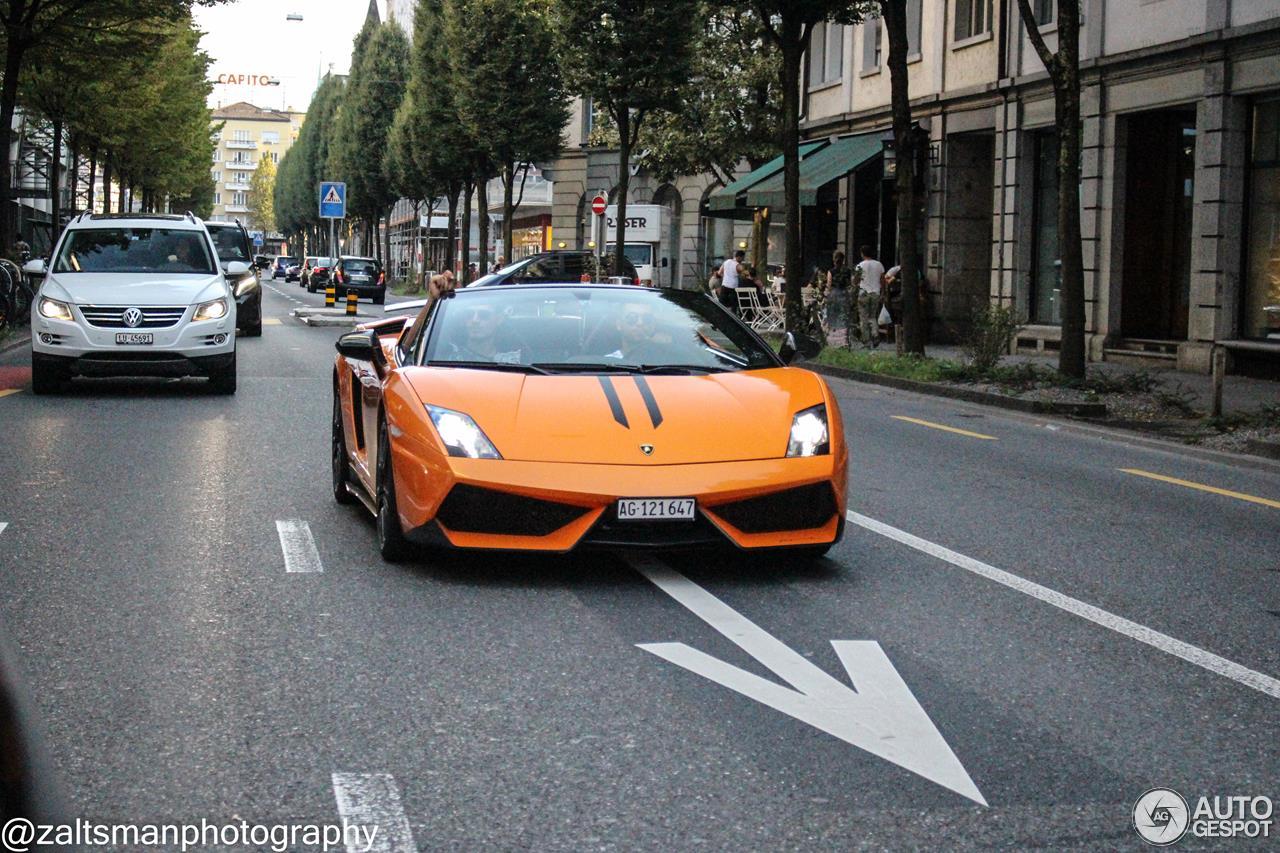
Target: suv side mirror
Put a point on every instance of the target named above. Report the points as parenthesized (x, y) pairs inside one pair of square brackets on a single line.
[(237, 268), (35, 266), (798, 344)]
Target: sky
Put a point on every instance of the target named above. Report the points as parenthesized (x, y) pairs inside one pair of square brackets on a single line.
[(252, 37)]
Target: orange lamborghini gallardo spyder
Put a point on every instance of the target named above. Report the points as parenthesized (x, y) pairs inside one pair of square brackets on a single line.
[(554, 417)]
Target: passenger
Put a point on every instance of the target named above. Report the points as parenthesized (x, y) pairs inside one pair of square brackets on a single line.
[(482, 322), (637, 326)]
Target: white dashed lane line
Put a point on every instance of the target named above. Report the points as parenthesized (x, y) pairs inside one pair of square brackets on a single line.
[(300, 554), (372, 800), (1133, 630)]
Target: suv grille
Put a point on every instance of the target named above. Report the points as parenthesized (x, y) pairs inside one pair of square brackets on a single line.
[(112, 317)]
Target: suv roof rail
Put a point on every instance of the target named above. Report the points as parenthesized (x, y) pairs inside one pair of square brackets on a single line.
[(191, 216)]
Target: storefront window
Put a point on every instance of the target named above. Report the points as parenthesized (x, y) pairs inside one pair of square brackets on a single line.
[(1262, 282), (1046, 273)]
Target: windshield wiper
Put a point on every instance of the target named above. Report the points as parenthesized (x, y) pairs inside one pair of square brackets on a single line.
[(588, 367), (679, 369), (510, 367)]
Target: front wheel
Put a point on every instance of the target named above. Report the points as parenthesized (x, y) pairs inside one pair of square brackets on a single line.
[(392, 544), (223, 379)]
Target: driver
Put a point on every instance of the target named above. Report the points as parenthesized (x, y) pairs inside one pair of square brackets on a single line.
[(637, 326), (481, 322)]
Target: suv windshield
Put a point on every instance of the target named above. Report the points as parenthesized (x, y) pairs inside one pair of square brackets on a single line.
[(230, 243), (571, 329), (134, 250)]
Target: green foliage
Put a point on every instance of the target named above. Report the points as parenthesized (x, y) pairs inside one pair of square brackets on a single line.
[(262, 195), (991, 327), (306, 163)]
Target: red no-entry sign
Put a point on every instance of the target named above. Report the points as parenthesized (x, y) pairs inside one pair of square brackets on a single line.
[(598, 205)]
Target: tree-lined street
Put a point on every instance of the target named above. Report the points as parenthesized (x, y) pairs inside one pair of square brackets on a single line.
[(183, 671)]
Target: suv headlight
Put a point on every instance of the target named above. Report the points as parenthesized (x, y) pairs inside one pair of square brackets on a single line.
[(214, 309), (55, 310), (461, 435), (809, 436)]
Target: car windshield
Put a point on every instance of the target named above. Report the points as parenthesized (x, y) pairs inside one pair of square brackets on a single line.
[(640, 254), (230, 244), (572, 329), (360, 266), (134, 250)]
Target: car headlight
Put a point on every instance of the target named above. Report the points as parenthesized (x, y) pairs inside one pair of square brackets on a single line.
[(461, 436), (55, 310), (809, 436), (242, 284), (214, 309)]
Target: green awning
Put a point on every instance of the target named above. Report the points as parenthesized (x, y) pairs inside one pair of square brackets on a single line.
[(821, 168), (726, 198)]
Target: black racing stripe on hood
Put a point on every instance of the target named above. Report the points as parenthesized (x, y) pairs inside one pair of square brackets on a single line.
[(615, 404), (650, 402)]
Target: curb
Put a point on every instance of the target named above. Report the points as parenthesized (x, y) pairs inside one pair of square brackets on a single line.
[(1101, 430), (1268, 449), (1035, 407), (23, 339)]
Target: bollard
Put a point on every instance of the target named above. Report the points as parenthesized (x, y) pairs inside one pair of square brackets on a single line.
[(1219, 361), (329, 294), (352, 299)]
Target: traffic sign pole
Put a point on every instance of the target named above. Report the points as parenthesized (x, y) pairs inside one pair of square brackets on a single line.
[(598, 206)]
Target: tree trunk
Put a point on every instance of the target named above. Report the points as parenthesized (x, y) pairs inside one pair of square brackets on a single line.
[(106, 184), (55, 184), (451, 231), (1064, 70), (904, 143), (482, 210), (8, 103), (793, 39), (93, 176), (508, 209), (467, 189), (624, 183), (75, 174), (387, 263)]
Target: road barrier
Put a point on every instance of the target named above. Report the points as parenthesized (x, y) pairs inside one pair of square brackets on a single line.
[(352, 299), (330, 293)]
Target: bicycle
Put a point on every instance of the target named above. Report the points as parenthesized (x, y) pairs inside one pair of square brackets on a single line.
[(16, 295)]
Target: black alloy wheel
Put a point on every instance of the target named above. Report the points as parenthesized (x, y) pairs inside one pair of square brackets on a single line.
[(341, 465), (392, 544)]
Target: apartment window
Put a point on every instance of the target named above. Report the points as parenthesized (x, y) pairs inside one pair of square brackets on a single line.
[(275, 157), (973, 18), (271, 137), (217, 198), (240, 198), (1045, 12), (913, 27), (217, 177), (242, 136), (871, 45), (215, 155), (826, 53), (588, 118)]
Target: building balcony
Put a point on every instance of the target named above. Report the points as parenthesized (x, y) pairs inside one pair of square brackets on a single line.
[(244, 166), (240, 143), (237, 186), (237, 208)]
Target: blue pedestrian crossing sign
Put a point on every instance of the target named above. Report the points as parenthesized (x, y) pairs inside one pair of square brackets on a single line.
[(333, 200), (257, 239)]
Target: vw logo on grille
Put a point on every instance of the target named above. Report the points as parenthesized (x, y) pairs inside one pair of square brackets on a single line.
[(132, 317)]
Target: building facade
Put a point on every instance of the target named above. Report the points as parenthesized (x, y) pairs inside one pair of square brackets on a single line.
[(1180, 190), (248, 135)]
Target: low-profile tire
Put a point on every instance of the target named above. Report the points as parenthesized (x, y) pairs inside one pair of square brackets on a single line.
[(340, 464), (254, 331), (223, 380), (392, 544), (47, 378), (380, 298)]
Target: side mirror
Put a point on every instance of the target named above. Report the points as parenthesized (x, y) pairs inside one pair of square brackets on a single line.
[(35, 266), (362, 346), (237, 268), (798, 344)]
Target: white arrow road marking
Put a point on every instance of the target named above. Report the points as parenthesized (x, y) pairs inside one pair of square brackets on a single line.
[(1133, 630), (372, 801), (300, 554), (3, 525), (881, 717)]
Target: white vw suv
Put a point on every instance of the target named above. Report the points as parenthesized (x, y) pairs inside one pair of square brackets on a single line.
[(134, 294)]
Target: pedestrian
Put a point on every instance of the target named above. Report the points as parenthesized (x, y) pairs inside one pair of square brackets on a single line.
[(870, 278), (22, 248), (729, 274), (839, 296)]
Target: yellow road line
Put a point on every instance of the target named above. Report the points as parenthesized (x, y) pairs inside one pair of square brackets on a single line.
[(1253, 499), (271, 321), (5, 392), (944, 427)]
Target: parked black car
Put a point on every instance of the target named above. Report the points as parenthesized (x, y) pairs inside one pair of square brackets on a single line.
[(280, 267), (557, 266), (363, 275), (232, 243)]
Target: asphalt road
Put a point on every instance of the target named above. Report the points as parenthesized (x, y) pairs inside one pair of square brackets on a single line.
[(183, 674)]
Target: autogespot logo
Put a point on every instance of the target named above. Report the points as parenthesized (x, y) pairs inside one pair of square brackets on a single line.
[(1161, 816)]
